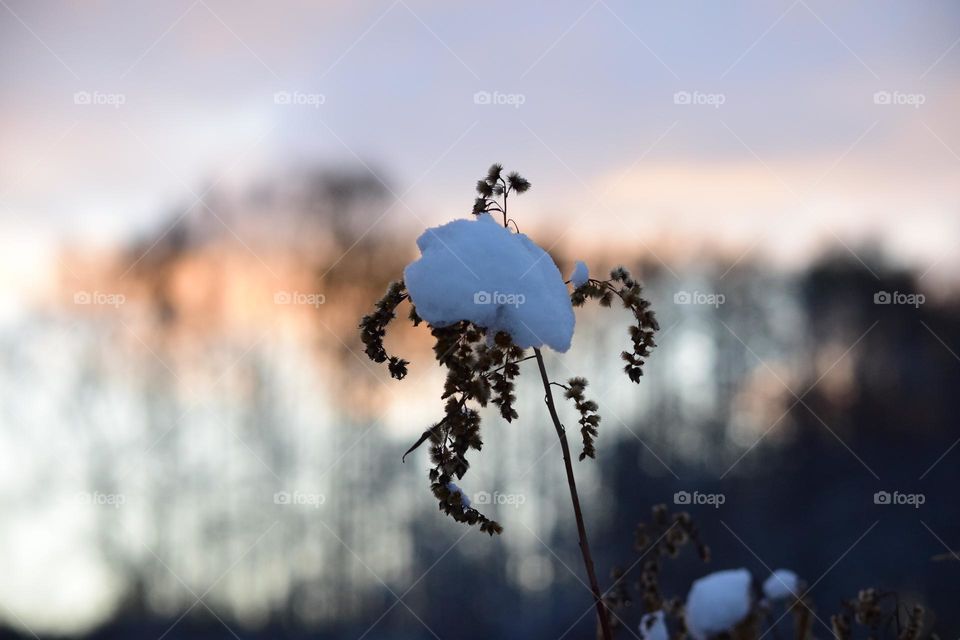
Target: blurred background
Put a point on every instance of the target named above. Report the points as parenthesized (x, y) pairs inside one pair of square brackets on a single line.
[(200, 198)]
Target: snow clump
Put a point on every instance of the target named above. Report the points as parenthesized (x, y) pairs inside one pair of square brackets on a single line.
[(580, 274), (480, 271), (652, 627), (782, 584), (718, 602)]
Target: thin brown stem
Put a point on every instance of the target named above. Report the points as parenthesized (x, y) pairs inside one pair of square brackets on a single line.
[(575, 498)]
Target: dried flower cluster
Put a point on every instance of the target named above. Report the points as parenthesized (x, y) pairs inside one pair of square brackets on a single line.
[(879, 612), (493, 186), (589, 419), (373, 328), (471, 365), (478, 372), (662, 538), (630, 293), (482, 369)]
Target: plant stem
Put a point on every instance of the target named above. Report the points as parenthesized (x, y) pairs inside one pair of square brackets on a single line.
[(575, 498)]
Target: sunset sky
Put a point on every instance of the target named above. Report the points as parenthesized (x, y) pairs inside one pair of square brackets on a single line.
[(785, 144)]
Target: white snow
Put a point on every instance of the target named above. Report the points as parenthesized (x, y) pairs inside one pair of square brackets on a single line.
[(717, 602), (464, 500), (782, 584), (477, 270), (652, 627), (580, 274)]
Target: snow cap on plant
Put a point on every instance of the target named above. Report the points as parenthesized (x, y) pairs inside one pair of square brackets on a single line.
[(718, 602), (652, 627), (782, 584), (580, 274), (488, 293), (481, 272)]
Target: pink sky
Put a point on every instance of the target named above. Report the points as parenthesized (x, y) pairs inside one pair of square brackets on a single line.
[(785, 143)]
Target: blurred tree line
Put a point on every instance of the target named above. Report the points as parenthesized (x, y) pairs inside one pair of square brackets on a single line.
[(797, 398)]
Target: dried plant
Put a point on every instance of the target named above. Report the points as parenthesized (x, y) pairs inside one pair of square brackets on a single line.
[(880, 614), (482, 369), (872, 615), (662, 538)]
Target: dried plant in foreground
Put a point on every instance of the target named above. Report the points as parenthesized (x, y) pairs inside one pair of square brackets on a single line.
[(733, 605), (482, 348)]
